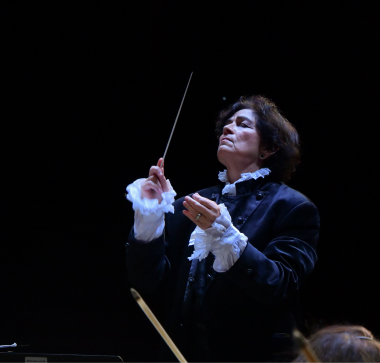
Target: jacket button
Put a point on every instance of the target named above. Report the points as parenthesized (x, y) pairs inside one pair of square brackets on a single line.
[(240, 220), (213, 197), (190, 280), (209, 277), (248, 272), (259, 196)]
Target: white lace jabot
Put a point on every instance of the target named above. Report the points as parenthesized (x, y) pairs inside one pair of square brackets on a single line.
[(231, 188)]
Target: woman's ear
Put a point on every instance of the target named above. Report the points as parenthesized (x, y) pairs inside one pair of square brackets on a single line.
[(266, 152)]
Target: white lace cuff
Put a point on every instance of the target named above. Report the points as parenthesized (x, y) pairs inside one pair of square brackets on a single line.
[(149, 214), (222, 239), (229, 249), (148, 206)]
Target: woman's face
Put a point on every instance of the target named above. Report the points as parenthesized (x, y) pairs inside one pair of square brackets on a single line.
[(240, 141)]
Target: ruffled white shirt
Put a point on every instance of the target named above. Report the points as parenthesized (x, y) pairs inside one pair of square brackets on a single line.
[(231, 188), (222, 238)]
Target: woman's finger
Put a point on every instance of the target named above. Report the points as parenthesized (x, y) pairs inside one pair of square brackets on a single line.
[(164, 183), (149, 185), (160, 163), (153, 178), (197, 222), (158, 172), (199, 208), (155, 170), (209, 204), (203, 219), (192, 211)]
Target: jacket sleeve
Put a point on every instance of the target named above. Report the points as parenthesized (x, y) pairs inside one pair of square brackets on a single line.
[(146, 263), (277, 272)]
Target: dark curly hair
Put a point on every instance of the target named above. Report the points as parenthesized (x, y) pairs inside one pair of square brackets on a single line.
[(276, 132)]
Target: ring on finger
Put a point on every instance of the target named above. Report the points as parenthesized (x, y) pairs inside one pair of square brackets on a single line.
[(199, 215)]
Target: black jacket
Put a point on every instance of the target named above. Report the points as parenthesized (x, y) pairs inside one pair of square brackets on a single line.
[(242, 314)]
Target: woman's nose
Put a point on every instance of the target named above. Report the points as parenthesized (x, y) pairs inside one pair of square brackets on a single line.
[(228, 129)]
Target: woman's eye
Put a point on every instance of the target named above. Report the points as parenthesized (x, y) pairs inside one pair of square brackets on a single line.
[(245, 125)]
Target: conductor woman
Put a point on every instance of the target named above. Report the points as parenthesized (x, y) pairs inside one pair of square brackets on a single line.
[(229, 259)]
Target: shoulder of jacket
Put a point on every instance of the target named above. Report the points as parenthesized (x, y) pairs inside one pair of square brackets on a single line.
[(282, 191)]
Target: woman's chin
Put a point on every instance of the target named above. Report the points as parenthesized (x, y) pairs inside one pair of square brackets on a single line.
[(224, 148)]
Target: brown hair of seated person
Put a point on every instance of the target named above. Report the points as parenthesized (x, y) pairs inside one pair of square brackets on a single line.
[(344, 343)]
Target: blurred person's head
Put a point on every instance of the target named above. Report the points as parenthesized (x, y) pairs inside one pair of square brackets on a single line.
[(344, 343)]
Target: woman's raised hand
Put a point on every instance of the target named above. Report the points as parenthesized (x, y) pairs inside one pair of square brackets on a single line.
[(202, 211), (155, 184)]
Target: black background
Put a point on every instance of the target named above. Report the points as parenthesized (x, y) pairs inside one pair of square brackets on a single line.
[(90, 91)]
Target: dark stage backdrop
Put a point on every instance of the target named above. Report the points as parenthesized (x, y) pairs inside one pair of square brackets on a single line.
[(90, 91)]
